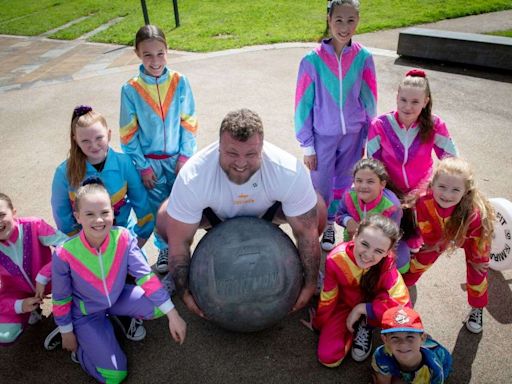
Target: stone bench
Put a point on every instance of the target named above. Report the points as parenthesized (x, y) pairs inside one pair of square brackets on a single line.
[(457, 47)]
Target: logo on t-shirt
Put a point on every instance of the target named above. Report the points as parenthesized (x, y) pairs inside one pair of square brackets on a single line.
[(243, 199)]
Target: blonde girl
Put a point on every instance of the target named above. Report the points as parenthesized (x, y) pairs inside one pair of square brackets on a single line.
[(453, 214)]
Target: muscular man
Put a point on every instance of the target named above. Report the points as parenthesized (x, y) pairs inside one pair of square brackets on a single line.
[(242, 175)]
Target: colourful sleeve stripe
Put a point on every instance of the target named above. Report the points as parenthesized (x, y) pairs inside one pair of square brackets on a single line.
[(302, 85), (373, 146), (127, 132), (371, 81), (189, 123), (328, 298), (149, 283), (157, 313), (446, 144), (399, 291), (303, 109), (119, 195), (61, 307), (63, 301), (144, 220)]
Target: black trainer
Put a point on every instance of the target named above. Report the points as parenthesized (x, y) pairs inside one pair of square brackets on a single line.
[(162, 261), (475, 321), (329, 238), (362, 345), (53, 340)]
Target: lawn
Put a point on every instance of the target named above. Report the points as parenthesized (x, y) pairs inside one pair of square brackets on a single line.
[(507, 33), (221, 24)]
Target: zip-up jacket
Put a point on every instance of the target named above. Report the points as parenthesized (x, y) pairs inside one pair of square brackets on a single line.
[(434, 369), (334, 96), (342, 286), (407, 158), (25, 259), (351, 207), (124, 186), (432, 219), (157, 117), (86, 280)]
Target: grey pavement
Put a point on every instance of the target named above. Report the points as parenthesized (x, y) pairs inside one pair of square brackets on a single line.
[(42, 80)]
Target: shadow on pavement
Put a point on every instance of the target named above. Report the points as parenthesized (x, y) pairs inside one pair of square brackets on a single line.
[(464, 353), (500, 298), (472, 71)]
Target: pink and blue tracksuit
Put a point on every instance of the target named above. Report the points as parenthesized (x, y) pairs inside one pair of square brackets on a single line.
[(25, 259), (335, 101), (342, 291), (158, 127), (407, 158), (386, 204), (124, 186), (89, 284)]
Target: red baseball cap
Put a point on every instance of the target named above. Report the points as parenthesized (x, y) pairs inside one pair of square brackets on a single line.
[(401, 319)]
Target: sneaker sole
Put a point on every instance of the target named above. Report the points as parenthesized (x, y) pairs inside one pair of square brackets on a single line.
[(123, 330), (161, 268), (327, 247), (360, 359), (473, 330), (138, 338), (51, 335)]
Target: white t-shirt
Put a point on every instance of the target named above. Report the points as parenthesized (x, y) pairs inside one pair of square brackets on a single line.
[(202, 183)]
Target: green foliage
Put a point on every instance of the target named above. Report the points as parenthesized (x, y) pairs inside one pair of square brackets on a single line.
[(507, 33), (221, 24)]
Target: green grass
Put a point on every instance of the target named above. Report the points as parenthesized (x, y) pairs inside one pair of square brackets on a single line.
[(222, 24), (507, 33)]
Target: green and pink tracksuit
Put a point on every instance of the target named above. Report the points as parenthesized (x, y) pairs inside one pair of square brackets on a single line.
[(341, 292), (386, 204), (89, 284)]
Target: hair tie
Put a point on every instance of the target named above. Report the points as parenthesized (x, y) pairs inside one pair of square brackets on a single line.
[(80, 111), (416, 73), (92, 180)]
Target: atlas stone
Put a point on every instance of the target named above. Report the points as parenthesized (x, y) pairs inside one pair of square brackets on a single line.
[(245, 274)]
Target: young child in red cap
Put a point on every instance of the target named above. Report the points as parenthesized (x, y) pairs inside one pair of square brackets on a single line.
[(408, 355)]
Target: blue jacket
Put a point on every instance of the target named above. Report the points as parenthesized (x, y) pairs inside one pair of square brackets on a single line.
[(122, 182), (157, 117)]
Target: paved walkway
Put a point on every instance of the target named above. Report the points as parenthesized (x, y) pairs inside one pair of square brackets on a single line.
[(35, 61), (42, 80)]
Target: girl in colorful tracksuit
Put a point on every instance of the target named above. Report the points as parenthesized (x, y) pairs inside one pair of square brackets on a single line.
[(116, 171), (157, 121), (403, 140), (369, 196), (89, 273), (361, 279), (452, 213), (335, 101), (25, 268)]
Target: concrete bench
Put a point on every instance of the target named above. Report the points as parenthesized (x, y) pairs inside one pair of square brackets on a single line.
[(456, 47)]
